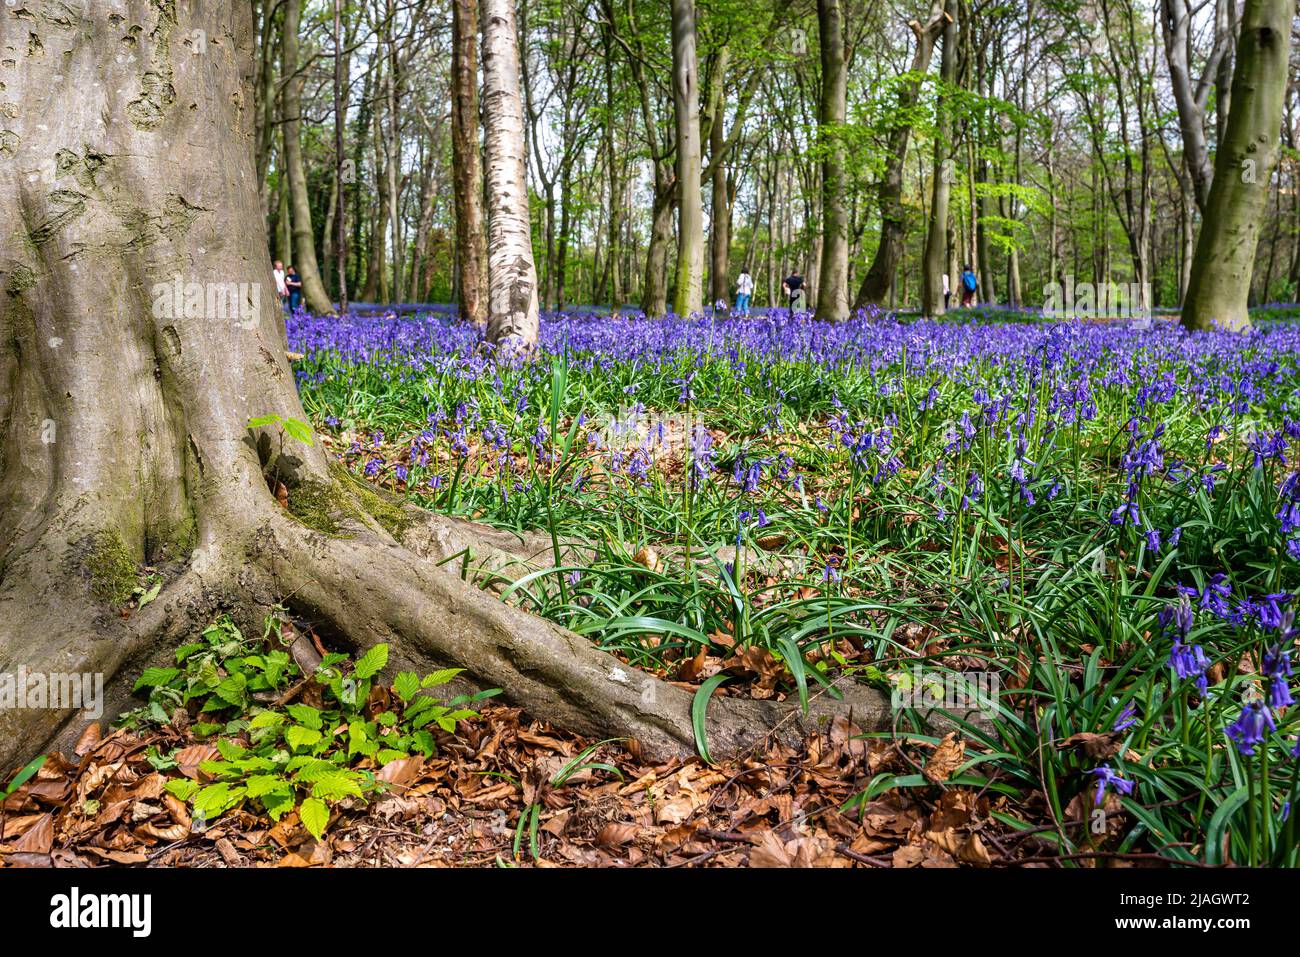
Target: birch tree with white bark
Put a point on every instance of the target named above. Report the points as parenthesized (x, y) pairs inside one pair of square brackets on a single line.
[(512, 273)]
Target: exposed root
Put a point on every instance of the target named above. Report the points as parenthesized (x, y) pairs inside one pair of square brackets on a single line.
[(373, 591), (365, 587), (499, 552)]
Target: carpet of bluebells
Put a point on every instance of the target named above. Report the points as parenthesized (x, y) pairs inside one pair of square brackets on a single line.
[(1100, 521)]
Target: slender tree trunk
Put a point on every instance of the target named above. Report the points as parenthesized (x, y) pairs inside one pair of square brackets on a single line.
[(654, 295), (264, 93), (720, 213), (935, 262), (328, 233), (1225, 26), (340, 181), (376, 267), (512, 275), (617, 292), (1225, 250), (713, 123), (893, 225), (283, 222), (832, 284), (467, 163), (304, 242), (393, 144), (687, 298), (1189, 97)]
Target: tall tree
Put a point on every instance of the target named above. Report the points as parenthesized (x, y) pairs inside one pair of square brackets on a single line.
[(1219, 290), (879, 280), (467, 162), (304, 241), (340, 203), (833, 276), (512, 274), (935, 264), (1190, 96), (719, 185), (688, 297)]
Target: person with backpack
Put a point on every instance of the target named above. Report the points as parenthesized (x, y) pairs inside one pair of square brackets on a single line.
[(969, 286), (744, 290)]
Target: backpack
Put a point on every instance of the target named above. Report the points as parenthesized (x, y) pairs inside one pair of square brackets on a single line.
[(968, 281)]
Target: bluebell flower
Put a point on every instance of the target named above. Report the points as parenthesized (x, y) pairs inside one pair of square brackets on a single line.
[(1252, 727), (1107, 778), (1127, 718)]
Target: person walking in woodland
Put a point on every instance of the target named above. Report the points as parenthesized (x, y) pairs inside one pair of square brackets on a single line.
[(969, 286), (744, 291), (293, 285), (280, 291), (947, 292), (793, 288)]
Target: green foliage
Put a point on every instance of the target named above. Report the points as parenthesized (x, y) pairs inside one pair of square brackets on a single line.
[(530, 817), (276, 756), (294, 428), (25, 774)]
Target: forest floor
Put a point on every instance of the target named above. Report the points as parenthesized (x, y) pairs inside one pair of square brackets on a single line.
[(487, 799)]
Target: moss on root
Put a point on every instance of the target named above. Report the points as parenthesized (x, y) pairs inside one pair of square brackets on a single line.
[(320, 505), (174, 545), (384, 509), (112, 568)]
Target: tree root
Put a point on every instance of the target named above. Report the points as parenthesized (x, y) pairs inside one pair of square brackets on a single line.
[(373, 591), (368, 588)]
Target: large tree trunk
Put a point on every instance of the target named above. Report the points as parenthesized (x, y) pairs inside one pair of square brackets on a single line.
[(690, 208), (879, 279), (304, 241), (467, 163), (512, 275), (123, 418), (1219, 290), (833, 277), (935, 262)]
